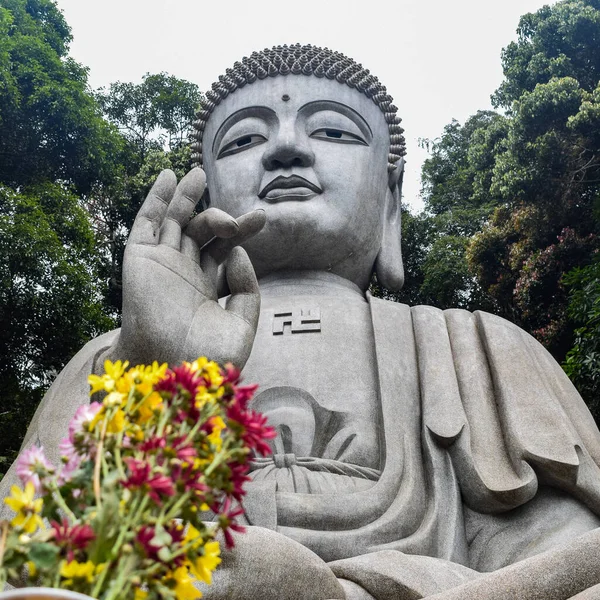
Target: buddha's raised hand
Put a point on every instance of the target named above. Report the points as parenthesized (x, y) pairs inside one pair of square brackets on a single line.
[(170, 308)]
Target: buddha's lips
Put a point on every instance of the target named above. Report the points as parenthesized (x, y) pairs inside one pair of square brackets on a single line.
[(294, 185)]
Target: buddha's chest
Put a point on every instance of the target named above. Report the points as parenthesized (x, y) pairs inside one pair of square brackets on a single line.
[(314, 360)]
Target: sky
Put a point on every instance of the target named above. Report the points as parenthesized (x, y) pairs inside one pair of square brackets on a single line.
[(440, 60)]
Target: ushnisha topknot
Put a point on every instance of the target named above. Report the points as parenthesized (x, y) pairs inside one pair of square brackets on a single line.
[(300, 60)]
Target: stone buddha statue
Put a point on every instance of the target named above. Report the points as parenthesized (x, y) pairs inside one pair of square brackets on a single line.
[(420, 453)]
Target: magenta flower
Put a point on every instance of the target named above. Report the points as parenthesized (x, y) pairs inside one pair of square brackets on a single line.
[(72, 538), (33, 466), (146, 535), (239, 476), (140, 477), (254, 428), (227, 516)]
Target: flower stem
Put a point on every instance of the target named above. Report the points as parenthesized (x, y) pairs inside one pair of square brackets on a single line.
[(116, 589), (4, 528), (98, 464), (175, 508), (57, 496)]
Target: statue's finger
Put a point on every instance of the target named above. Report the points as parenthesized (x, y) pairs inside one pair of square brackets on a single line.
[(209, 267), (209, 224), (151, 214), (180, 209), (249, 225), (245, 296), (189, 248)]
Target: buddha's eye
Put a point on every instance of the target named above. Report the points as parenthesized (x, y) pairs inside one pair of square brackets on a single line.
[(241, 144), (337, 135)]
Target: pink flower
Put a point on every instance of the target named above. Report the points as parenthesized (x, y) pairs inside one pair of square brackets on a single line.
[(83, 416), (73, 463), (33, 466)]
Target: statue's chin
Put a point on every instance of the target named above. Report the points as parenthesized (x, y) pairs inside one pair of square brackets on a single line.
[(316, 242)]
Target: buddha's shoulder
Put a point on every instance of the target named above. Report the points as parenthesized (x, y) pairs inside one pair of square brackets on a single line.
[(454, 320)]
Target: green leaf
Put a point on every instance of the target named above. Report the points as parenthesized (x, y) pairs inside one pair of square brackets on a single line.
[(44, 556)]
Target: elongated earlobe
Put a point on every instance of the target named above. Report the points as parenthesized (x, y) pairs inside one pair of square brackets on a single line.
[(388, 265)]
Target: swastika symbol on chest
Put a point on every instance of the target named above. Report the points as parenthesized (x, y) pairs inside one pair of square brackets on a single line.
[(298, 320)]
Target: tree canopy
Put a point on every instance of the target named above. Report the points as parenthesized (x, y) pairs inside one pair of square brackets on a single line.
[(74, 167), (512, 199)]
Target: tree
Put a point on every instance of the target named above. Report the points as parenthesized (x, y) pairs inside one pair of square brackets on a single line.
[(555, 42), (512, 201), (582, 363), (50, 301), (155, 117), (55, 147), (455, 190), (548, 176), (159, 110), (51, 128)]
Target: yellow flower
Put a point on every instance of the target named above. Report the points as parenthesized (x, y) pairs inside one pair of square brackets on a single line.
[(107, 382), (203, 566), (32, 568), (26, 507), (117, 423), (203, 396), (114, 399), (76, 570), (215, 437), (147, 407), (115, 370), (192, 537), (152, 373), (184, 585), (210, 369), (140, 594)]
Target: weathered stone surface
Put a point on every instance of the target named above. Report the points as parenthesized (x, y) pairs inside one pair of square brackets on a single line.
[(554, 575), (417, 448)]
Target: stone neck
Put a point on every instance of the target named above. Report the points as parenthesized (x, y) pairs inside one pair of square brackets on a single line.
[(322, 283)]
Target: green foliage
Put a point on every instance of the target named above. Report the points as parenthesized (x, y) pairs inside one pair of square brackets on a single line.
[(555, 42), (582, 362), (50, 302), (512, 203), (50, 126), (159, 109), (457, 202), (155, 117), (55, 147)]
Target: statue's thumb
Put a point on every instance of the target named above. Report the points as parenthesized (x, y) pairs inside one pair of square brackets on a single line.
[(245, 296)]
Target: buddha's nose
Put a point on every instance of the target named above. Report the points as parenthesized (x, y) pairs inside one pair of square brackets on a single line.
[(288, 150)]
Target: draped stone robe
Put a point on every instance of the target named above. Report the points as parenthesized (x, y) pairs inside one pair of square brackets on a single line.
[(489, 453), (478, 420)]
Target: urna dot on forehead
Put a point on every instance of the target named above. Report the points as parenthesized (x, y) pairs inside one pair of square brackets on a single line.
[(300, 60)]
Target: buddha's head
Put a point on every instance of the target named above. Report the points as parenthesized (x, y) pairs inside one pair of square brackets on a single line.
[(312, 138)]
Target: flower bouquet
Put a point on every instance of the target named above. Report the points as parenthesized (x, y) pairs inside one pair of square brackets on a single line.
[(142, 469)]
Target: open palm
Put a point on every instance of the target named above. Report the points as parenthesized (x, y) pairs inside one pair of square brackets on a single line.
[(170, 308)]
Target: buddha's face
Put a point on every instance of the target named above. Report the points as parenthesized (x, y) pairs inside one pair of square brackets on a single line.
[(313, 154)]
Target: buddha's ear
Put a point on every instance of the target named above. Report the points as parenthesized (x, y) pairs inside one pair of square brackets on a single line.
[(388, 264)]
